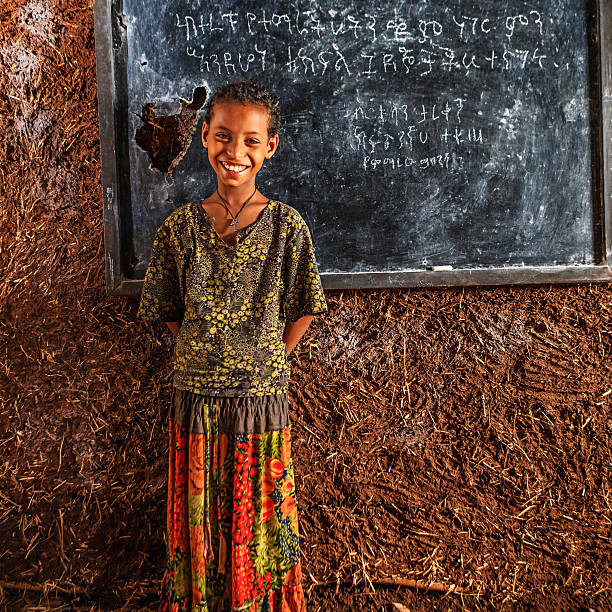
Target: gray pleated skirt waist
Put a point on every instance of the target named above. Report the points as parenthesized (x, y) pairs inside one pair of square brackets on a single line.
[(239, 415)]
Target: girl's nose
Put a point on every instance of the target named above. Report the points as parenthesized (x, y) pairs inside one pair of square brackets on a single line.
[(235, 150)]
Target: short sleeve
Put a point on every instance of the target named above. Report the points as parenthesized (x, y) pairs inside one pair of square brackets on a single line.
[(303, 293), (161, 298)]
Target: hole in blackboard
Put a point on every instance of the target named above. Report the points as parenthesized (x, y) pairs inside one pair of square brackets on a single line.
[(165, 138)]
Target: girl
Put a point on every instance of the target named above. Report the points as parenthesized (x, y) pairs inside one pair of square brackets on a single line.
[(235, 278)]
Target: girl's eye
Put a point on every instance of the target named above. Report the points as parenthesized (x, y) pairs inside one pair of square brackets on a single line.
[(253, 141), (222, 135)]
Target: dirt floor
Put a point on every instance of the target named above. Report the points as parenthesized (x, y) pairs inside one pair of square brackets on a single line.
[(460, 437)]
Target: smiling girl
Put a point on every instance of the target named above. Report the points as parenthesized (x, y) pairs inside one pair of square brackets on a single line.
[(235, 278)]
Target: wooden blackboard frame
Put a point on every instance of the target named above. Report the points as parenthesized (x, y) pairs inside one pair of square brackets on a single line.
[(111, 53)]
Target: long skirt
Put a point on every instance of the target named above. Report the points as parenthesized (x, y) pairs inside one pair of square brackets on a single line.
[(232, 525)]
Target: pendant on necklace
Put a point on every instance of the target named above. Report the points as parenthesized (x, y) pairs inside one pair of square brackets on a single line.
[(235, 223)]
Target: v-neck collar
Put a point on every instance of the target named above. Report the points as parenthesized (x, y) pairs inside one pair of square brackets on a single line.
[(242, 232)]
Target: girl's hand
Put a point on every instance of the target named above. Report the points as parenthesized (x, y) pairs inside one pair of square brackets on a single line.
[(174, 327), (294, 331)]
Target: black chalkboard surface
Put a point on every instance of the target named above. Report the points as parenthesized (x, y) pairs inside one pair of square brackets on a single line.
[(425, 143)]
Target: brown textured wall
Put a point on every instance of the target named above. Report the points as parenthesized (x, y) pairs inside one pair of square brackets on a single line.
[(461, 436)]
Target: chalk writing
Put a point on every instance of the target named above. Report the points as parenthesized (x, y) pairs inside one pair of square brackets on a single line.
[(447, 109), (228, 62), (398, 134), (439, 161), (403, 46), (312, 44)]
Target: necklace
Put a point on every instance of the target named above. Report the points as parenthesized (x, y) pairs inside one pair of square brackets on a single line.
[(225, 203)]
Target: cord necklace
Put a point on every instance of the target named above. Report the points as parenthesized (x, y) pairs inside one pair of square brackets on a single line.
[(225, 203)]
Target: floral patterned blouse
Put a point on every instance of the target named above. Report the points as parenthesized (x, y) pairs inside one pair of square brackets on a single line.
[(233, 300)]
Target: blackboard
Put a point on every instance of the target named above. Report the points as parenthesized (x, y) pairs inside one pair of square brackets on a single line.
[(425, 143)]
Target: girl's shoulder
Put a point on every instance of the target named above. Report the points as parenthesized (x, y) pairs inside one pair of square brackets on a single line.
[(182, 213), (176, 229), (289, 215), (179, 219)]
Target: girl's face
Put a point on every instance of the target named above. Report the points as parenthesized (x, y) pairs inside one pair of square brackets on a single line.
[(237, 142)]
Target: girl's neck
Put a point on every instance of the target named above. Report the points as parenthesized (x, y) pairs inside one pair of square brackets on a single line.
[(235, 197)]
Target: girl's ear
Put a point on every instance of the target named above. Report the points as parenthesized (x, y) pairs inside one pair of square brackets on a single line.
[(205, 129), (272, 146)]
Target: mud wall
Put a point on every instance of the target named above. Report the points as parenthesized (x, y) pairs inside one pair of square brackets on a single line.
[(460, 436)]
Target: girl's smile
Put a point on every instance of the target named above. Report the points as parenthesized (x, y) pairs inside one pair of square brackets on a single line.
[(233, 168)]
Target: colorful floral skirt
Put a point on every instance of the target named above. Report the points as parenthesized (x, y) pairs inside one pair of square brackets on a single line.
[(232, 523)]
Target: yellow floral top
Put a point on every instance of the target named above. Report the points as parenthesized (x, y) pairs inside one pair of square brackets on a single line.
[(233, 300)]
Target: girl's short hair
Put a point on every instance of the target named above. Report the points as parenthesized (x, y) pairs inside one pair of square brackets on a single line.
[(249, 91)]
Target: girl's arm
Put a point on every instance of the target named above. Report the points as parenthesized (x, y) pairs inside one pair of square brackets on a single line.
[(294, 331), (174, 327), (291, 335)]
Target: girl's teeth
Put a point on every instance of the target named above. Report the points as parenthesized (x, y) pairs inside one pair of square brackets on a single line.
[(234, 168)]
